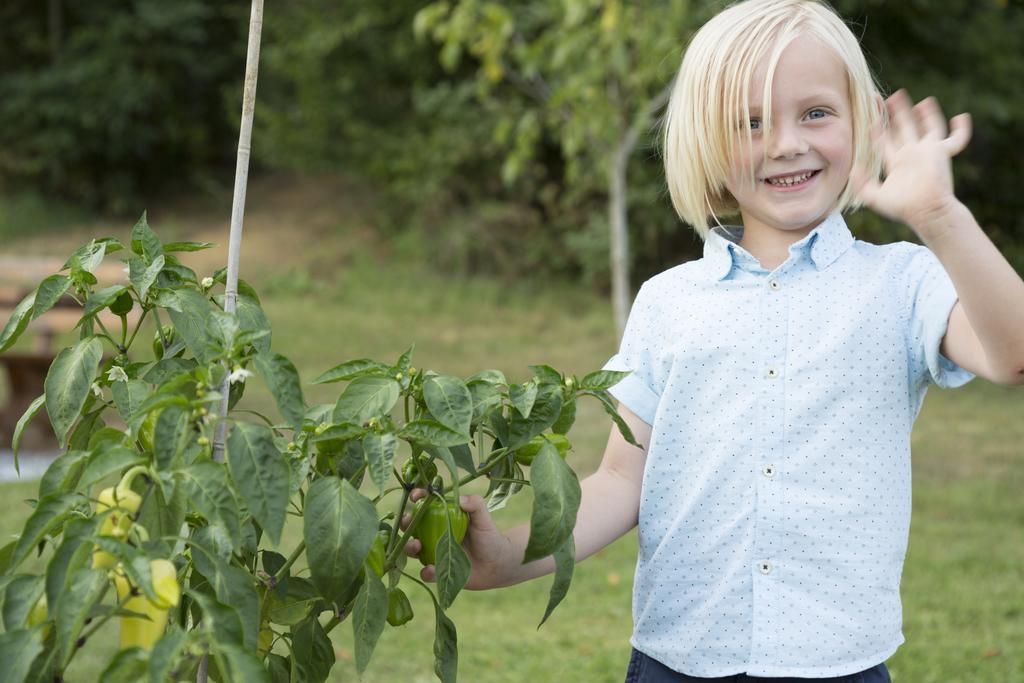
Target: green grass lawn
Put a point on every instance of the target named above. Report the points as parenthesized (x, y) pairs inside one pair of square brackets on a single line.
[(963, 583)]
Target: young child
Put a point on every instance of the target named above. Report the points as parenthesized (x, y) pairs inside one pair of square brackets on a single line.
[(775, 381)]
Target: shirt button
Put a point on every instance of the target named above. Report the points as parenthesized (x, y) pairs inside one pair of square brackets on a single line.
[(769, 471), (772, 373), (774, 284), (764, 567)]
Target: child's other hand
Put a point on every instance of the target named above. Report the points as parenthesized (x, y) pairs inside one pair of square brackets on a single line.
[(485, 545), (916, 161)]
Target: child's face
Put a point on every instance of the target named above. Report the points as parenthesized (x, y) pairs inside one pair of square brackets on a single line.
[(803, 166)]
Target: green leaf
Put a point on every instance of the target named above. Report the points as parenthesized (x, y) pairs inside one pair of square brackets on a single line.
[(20, 597), (452, 568), (339, 526), (335, 436), (171, 436), (127, 666), (17, 323), (556, 499), (69, 382), (546, 410), (166, 654), (368, 617), (234, 587), (609, 408), (49, 293), (142, 276), (312, 652), (601, 380), (18, 649), (102, 299), (366, 397), (88, 256), (187, 246), (244, 288), (49, 513), (73, 608), (128, 396), (19, 429), (565, 561), (206, 485), (189, 311), (449, 401), (351, 369), (261, 475), (74, 553), (486, 396), (241, 664), (291, 601), (380, 454), (283, 381), (430, 433), (63, 473), (546, 374), (221, 620), (163, 510), (463, 457), (111, 459), (496, 377), (566, 417), (446, 648), (523, 396), (166, 368), (145, 243)]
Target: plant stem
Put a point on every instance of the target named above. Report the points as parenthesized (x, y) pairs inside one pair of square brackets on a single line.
[(389, 561), (138, 327), (283, 571)]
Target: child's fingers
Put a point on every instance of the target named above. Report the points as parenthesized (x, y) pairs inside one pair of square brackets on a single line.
[(901, 122), (931, 122), (959, 134)]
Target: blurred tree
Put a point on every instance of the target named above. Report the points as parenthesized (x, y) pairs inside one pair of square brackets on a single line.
[(102, 100), (598, 72)]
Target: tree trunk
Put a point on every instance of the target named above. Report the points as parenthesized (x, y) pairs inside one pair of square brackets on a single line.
[(617, 222)]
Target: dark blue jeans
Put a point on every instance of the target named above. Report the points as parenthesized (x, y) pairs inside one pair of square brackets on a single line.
[(644, 669)]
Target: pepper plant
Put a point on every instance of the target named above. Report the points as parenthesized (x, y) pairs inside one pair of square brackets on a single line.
[(195, 549)]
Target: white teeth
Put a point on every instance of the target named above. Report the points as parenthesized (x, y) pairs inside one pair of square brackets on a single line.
[(790, 180)]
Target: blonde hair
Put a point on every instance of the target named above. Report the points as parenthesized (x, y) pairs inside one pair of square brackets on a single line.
[(712, 88)]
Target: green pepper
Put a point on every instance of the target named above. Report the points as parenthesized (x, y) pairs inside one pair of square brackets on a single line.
[(525, 454), (419, 470), (378, 551), (158, 343), (399, 608), (434, 524)]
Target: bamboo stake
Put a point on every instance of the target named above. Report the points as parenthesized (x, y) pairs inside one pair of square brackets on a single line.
[(238, 204), (237, 214)]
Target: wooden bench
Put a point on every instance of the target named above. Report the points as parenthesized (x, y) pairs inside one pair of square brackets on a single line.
[(25, 369)]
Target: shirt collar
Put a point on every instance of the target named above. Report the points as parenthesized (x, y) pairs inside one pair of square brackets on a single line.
[(826, 243)]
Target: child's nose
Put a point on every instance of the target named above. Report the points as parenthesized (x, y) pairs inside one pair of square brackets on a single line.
[(786, 142)]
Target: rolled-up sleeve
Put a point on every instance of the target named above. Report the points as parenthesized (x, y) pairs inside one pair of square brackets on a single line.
[(639, 391), (932, 297)]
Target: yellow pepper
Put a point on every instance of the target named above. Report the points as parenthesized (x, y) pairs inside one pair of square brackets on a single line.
[(140, 631), (123, 502)]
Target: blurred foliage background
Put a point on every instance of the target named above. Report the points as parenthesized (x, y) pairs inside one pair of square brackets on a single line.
[(485, 128)]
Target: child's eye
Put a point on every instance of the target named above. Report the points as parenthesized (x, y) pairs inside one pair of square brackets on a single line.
[(817, 114)]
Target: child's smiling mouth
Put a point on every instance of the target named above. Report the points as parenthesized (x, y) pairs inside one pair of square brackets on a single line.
[(792, 181)]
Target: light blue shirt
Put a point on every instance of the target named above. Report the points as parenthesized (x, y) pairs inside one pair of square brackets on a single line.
[(775, 508)]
